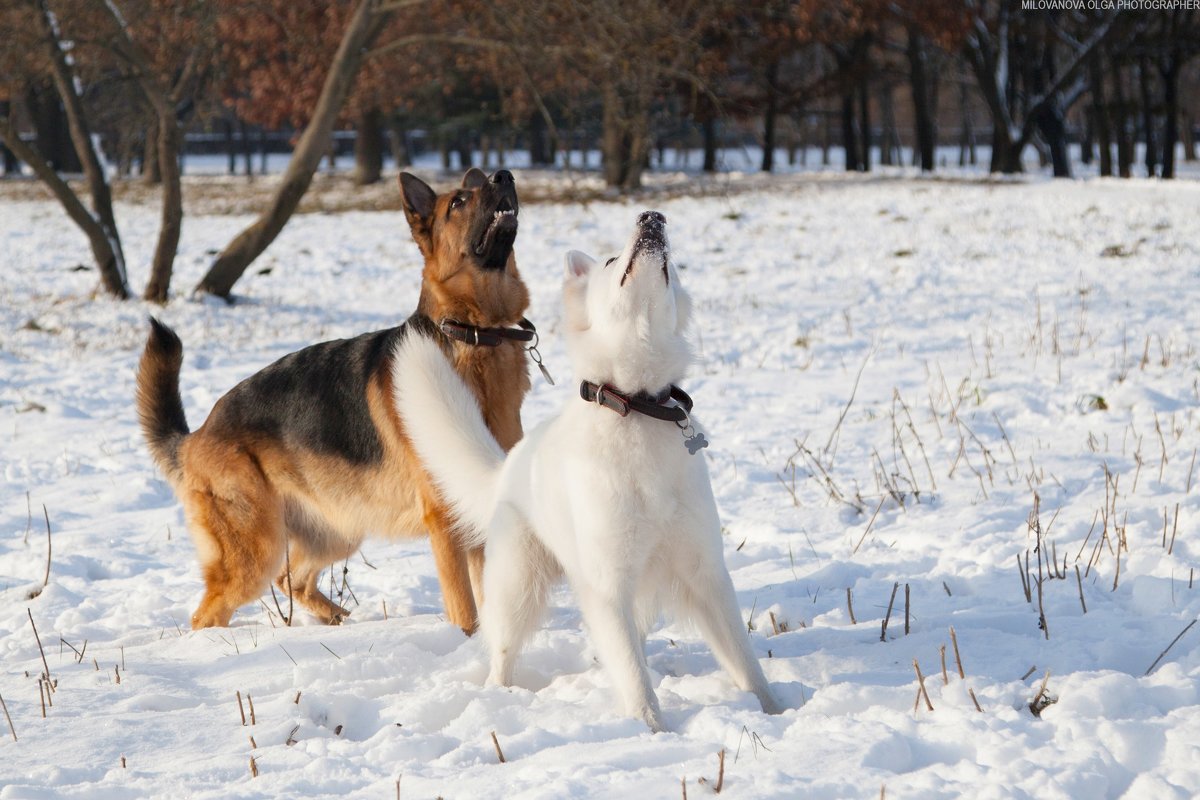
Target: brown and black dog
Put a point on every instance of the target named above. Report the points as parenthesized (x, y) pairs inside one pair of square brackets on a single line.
[(299, 462)]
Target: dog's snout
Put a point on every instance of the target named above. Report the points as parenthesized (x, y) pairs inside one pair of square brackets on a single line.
[(651, 218), (502, 177)]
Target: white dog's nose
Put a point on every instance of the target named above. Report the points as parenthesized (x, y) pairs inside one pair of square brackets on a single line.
[(651, 218)]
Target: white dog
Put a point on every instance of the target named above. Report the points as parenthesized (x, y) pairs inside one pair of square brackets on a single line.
[(611, 491)]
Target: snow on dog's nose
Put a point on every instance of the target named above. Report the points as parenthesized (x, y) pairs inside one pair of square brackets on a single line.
[(650, 249)]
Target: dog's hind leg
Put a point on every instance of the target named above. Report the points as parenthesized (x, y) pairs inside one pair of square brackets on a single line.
[(240, 543), (706, 596), (519, 573), (306, 569)]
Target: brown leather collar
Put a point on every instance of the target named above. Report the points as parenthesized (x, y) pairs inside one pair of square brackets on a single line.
[(643, 402), (487, 337)]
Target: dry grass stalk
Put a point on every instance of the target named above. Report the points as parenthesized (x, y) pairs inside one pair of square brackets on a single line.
[(869, 524), (1029, 671), (1023, 573), (241, 708), (1192, 467), (1172, 644), (253, 767), (957, 657), (906, 610), (250, 701), (499, 752), (975, 700), (42, 696), (1095, 517), (942, 655), (291, 737), (11, 729), (720, 771), (921, 692), (774, 624), (683, 786), (1041, 700), (253, 744), (1174, 529), (41, 650), (830, 448), (850, 606), (122, 762), (883, 631), (1079, 583), (297, 700)]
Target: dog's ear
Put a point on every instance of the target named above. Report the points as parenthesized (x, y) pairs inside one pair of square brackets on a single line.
[(575, 282), (419, 201), (474, 178), (578, 265)]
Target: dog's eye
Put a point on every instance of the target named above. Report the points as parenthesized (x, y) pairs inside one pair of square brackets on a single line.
[(458, 202), (610, 261)]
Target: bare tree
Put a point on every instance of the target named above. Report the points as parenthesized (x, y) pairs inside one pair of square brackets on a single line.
[(368, 19)]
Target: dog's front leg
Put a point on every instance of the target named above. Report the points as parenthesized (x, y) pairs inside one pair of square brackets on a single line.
[(609, 616)]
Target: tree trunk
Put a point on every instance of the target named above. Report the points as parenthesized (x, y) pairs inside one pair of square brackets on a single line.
[(368, 147), (1189, 135), (368, 19), (920, 95), (1170, 75), (151, 165), (169, 140), (464, 150), (540, 152), (709, 126), (112, 272), (230, 150), (1148, 117), (625, 140), (1087, 145), (247, 150), (1121, 125), (11, 165), (864, 105), (849, 132), (50, 127), (769, 118), (398, 140), (1100, 114)]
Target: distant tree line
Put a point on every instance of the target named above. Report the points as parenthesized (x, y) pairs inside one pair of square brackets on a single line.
[(89, 82)]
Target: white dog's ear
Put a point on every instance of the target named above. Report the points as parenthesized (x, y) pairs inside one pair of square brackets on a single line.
[(575, 285), (578, 264)]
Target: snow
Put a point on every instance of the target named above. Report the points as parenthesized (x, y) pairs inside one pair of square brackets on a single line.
[(1009, 306)]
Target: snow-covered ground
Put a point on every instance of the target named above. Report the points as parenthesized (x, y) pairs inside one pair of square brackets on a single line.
[(891, 370)]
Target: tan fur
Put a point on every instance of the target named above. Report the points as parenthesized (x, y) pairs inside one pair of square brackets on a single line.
[(254, 506)]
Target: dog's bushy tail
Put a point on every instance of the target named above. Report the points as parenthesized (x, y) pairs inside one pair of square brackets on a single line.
[(442, 419), (159, 406)]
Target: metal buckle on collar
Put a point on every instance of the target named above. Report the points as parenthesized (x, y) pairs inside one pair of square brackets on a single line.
[(609, 398)]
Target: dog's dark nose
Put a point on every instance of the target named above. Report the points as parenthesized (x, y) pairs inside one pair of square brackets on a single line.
[(651, 218), (502, 177)]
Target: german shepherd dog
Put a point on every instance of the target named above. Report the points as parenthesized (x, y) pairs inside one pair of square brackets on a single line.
[(299, 462)]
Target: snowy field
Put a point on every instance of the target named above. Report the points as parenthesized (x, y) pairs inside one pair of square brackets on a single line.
[(894, 373)]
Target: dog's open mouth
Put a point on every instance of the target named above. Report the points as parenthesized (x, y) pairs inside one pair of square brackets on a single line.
[(496, 242)]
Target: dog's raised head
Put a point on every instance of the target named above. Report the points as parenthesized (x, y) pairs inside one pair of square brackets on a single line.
[(466, 236), (626, 319)]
